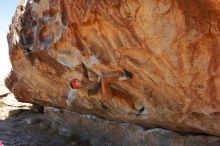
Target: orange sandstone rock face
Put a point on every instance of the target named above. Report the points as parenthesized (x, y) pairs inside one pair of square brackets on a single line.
[(171, 46)]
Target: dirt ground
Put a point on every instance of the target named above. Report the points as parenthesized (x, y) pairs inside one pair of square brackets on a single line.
[(21, 126)]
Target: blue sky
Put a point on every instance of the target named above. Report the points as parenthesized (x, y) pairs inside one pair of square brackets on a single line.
[(7, 10)]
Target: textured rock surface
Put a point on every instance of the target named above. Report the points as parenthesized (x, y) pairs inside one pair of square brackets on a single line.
[(171, 46), (99, 132)]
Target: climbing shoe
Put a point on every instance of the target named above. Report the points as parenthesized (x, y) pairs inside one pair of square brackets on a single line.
[(140, 111), (127, 74), (27, 51)]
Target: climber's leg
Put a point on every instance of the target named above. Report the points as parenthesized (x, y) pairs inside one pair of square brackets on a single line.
[(106, 89), (105, 83), (119, 94), (109, 93)]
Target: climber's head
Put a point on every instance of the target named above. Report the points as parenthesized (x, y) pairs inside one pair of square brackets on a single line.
[(76, 84)]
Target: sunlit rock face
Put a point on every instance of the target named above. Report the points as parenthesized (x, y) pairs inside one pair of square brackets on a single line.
[(172, 47)]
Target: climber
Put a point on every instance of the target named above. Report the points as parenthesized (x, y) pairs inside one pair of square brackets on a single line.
[(72, 95), (108, 91), (75, 84)]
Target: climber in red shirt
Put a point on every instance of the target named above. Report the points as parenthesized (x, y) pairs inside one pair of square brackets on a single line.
[(108, 91)]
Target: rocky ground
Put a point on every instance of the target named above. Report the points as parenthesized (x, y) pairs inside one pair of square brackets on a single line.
[(21, 126)]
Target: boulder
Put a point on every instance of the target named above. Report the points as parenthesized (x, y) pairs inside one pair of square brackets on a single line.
[(172, 48)]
